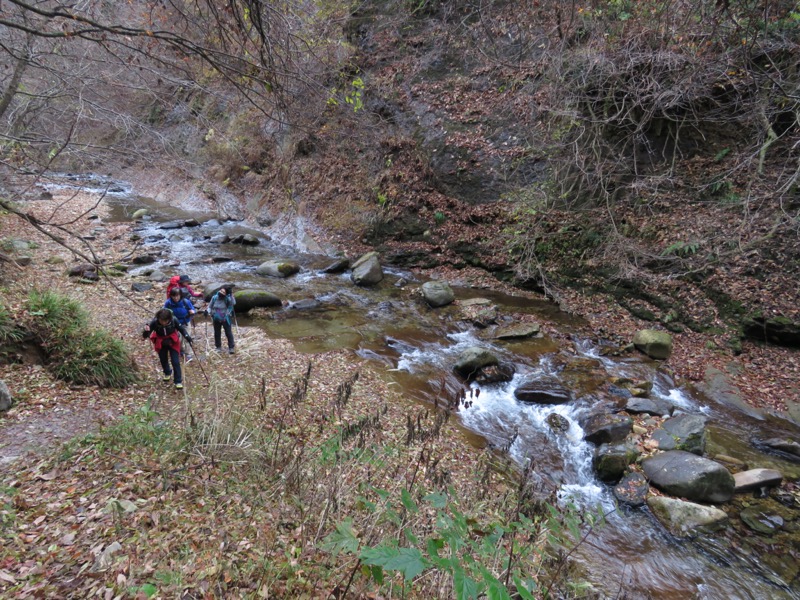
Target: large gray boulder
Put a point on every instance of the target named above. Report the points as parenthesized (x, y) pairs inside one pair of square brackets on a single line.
[(543, 390), (689, 476), (6, 400), (437, 293), (367, 270), (682, 432), (278, 268), (247, 300), (656, 344), (472, 360), (685, 519)]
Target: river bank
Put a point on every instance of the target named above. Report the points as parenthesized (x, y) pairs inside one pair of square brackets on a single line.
[(263, 376)]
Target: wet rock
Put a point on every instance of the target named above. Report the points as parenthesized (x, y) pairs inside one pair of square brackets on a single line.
[(761, 520), (473, 359), (783, 445), (649, 406), (517, 331), (143, 259), (6, 399), (557, 423), (305, 304), (687, 475), (481, 312), (246, 300), (632, 489), (655, 344), (683, 432), (544, 390), (246, 239), (683, 518), (367, 270), (141, 287), (221, 259), (191, 223), (755, 479), (338, 266), (278, 268), (495, 373), (437, 293), (172, 225), (611, 460), (142, 212), (607, 428), (219, 239)]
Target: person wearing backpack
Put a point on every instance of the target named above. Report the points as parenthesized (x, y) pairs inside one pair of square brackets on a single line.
[(163, 333), (221, 310), (186, 289), (182, 309)]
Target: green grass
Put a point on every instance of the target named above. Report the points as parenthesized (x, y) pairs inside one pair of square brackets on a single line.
[(10, 331), (76, 352)]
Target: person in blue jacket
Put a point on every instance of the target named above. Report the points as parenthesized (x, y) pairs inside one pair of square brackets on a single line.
[(183, 309)]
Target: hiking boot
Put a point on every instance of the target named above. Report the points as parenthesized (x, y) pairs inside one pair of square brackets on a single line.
[(166, 377), (178, 386), (231, 350), (189, 359)]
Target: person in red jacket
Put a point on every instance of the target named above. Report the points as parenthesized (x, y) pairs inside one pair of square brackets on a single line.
[(182, 282), (163, 332)]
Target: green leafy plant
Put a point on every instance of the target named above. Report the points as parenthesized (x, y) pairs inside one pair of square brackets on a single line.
[(482, 557), (439, 217), (682, 249)]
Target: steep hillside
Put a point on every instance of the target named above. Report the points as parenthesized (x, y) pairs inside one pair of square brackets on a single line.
[(593, 153)]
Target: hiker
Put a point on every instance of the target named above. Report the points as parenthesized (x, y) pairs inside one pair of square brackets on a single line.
[(186, 289), (221, 309), (183, 310), (182, 283), (163, 332)]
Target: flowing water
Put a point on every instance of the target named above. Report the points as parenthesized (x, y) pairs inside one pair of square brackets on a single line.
[(631, 556)]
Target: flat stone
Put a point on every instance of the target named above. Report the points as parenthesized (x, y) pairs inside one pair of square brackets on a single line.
[(755, 479)]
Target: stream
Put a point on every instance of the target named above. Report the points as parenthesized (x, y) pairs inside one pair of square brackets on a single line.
[(631, 556)]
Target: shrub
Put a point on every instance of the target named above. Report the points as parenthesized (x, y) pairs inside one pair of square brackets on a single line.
[(76, 352)]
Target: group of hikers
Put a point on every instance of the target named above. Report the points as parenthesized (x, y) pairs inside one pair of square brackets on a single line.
[(177, 314)]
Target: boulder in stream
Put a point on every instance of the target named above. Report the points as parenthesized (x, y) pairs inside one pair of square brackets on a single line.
[(437, 293), (611, 460), (367, 270), (543, 390), (278, 268), (682, 432), (632, 489), (473, 359), (683, 518), (247, 300), (656, 344), (689, 476), (754, 479), (605, 428), (517, 331)]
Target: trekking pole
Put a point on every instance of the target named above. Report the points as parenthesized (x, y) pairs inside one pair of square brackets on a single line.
[(236, 322), (199, 362)]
